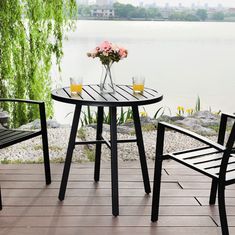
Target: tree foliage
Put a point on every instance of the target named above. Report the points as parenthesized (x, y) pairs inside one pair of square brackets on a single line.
[(130, 11), (202, 14), (31, 32), (218, 16)]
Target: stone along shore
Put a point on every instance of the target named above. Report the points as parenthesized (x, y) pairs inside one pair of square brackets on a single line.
[(30, 151)]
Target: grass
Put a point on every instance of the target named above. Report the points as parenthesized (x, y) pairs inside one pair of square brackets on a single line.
[(81, 134), (38, 161), (18, 161), (90, 153)]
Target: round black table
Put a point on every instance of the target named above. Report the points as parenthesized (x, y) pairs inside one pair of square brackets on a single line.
[(91, 96)]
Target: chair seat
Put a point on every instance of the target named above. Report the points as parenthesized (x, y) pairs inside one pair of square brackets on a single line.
[(205, 160), (10, 137)]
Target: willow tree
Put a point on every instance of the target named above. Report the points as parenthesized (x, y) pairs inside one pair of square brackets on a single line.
[(31, 34)]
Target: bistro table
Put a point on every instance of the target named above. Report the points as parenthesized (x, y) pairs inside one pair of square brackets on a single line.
[(91, 96)]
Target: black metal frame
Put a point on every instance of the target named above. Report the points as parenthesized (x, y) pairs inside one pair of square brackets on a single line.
[(218, 181), (112, 144), (33, 134)]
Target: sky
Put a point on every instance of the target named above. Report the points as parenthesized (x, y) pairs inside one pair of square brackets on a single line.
[(225, 3)]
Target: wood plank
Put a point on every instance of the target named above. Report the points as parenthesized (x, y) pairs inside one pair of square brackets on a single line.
[(137, 177), (199, 185), (228, 202), (107, 192), (153, 230), (82, 184), (101, 221), (91, 200), (105, 210), (88, 210)]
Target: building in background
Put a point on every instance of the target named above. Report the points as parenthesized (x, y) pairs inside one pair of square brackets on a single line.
[(103, 11), (105, 2)]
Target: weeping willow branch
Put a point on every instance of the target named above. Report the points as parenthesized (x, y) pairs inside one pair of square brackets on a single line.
[(31, 32)]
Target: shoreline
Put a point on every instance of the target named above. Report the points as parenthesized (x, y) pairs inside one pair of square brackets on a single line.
[(143, 19)]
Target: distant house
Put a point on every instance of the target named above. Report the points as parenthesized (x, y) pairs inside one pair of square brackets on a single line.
[(103, 12)]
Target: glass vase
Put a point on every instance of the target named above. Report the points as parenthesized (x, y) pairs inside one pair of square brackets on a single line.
[(107, 83)]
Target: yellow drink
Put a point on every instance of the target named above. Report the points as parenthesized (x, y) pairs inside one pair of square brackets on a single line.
[(138, 87), (76, 88)]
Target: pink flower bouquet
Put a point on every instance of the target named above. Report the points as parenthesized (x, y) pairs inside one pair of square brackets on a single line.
[(108, 53)]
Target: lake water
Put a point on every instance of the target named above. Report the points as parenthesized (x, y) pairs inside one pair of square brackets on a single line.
[(182, 60)]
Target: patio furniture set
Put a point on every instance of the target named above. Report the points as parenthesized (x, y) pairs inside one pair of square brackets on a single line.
[(215, 160)]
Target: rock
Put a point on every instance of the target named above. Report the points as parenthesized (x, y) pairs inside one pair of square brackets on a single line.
[(164, 118), (36, 124), (207, 118), (203, 130), (189, 122), (4, 117), (52, 123), (177, 118), (201, 122)]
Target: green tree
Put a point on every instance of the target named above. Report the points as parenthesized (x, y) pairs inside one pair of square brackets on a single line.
[(153, 13), (191, 17), (177, 16), (202, 14), (218, 16), (84, 10), (31, 32), (122, 10)]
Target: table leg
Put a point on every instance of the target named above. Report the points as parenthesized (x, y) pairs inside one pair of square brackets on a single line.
[(69, 154), (114, 160), (140, 145), (100, 117)]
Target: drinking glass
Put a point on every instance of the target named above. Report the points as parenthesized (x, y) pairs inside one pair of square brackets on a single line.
[(76, 85), (138, 84)]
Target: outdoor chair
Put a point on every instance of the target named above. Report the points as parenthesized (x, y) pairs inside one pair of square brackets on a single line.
[(10, 137), (216, 161)]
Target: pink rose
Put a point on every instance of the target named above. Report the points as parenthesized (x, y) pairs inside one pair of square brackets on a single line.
[(105, 46), (123, 52)]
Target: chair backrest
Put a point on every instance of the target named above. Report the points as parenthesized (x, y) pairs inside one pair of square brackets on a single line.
[(229, 147)]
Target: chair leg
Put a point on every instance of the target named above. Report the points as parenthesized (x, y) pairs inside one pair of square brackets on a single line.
[(45, 144), (98, 145), (222, 210), (0, 199), (156, 190), (214, 186)]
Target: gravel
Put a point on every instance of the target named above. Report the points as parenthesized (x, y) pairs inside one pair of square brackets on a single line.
[(31, 150)]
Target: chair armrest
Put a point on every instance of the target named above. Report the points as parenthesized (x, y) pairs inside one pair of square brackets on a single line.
[(227, 115), (191, 134), (41, 110), (21, 101)]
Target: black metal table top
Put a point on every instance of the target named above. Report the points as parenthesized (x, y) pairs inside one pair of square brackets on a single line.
[(92, 96)]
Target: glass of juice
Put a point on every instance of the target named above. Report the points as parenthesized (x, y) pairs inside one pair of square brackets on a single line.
[(76, 85), (138, 84)]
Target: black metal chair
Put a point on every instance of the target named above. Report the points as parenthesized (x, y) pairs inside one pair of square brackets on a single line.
[(215, 161), (10, 137)]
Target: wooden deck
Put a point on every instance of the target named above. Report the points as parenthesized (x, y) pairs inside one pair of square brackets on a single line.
[(32, 208)]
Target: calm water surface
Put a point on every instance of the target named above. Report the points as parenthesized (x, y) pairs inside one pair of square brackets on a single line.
[(182, 60)]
